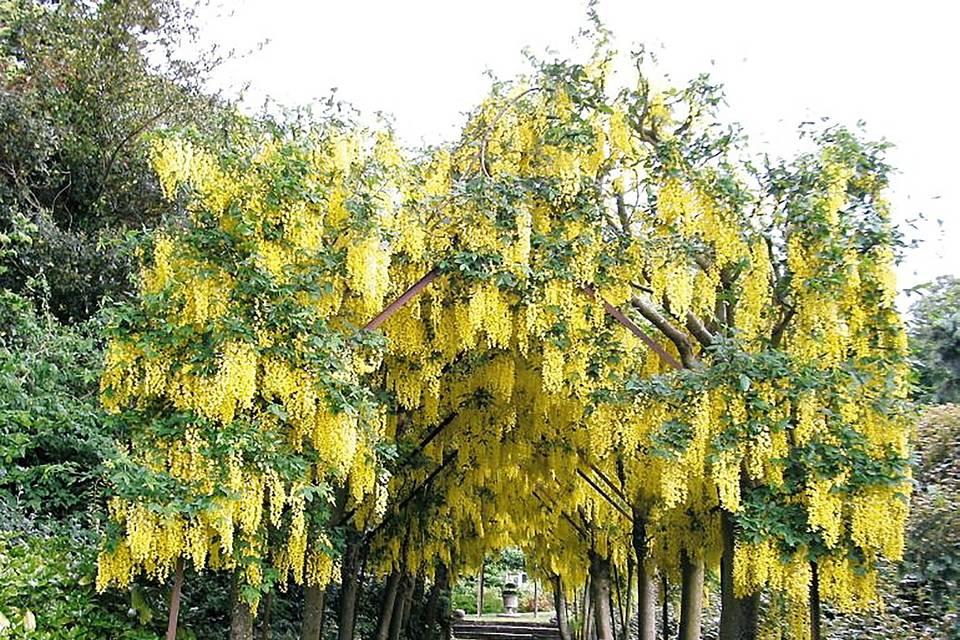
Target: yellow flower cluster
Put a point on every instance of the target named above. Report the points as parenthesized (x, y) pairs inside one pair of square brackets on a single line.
[(525, 385), (231, 384)]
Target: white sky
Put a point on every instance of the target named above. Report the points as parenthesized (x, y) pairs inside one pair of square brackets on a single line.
[(892, 64)]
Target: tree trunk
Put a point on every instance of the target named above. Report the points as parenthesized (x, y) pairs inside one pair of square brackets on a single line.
[(480, 587), (628, 605), (401, 608), (265, 631), (174, 616), (438, 606), (349, 583), (646, 587), (560, 608), (408, 598), (646, 604), (616, 603), (560, 605), (691, 596), (587, 618), (815, 626), (312, 613), (738, 616), (536, 598), (387, 605), (665, 614), (600, 595), (241, 617)]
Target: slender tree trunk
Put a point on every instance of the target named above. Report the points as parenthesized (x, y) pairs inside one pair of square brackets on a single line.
[(241, 617), (738, 616), (349, 584), (361, 574), (587, 618), (691, 596), (616, 603), (483, 575), (312, 613), (628, 608), (600, 588), (265, 630), (536, 599), (646, 587), (387, 605), (416, 593), (400, 605), (438, 608), (613, 614), (174, 616), (560, 605), (815, 625), (665, 614)]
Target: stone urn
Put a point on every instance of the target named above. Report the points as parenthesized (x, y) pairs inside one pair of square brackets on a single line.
[(511, 597)]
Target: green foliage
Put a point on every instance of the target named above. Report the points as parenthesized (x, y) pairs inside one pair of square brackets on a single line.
[(935, 340), (81, 86), (53, 437), (498, 570), (47, 592), (933, 553), (923, 595)]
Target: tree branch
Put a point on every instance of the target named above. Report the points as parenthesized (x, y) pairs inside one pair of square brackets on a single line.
[(698, 329), (676, 336)]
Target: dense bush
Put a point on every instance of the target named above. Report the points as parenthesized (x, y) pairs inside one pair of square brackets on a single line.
[(53, 436), (46, 586)]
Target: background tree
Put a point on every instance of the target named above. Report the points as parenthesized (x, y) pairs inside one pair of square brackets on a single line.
[(934, 325), (82, 84)]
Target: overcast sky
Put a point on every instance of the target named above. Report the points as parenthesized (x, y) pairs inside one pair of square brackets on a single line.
[(891, 64)]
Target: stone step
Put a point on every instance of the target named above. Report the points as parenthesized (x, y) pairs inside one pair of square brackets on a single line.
[(490, 634), (504, 630), (527, 631), (470, 624), (514, 622)]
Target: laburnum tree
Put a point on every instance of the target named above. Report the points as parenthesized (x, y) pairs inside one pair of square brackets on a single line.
[(240, 372), (615, 343), (768, 437)]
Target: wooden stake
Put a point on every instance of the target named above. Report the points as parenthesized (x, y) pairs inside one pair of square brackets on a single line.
[(620, 317), (395, 306)]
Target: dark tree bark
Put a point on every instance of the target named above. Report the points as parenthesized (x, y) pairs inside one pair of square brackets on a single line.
[(438, 604), (738, 616), (401, 605), (241, 617), (815, 625), (265, 631), (349, 585), (691, 596), (387, 605), (600, 596), (628, 601), (587, 617), (312, 613), (560, 605)]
